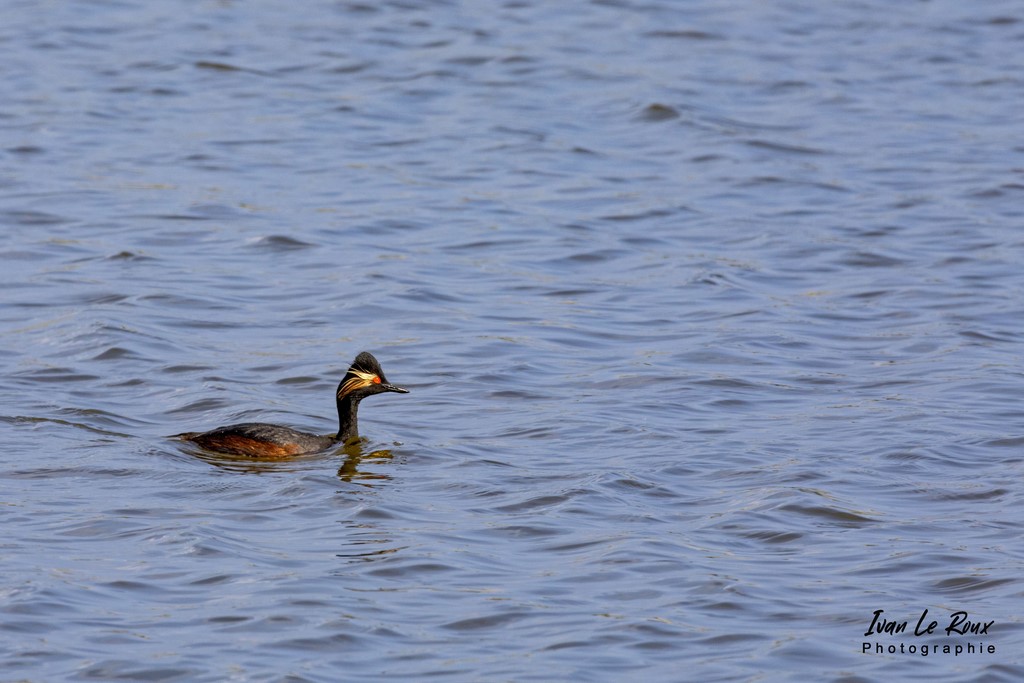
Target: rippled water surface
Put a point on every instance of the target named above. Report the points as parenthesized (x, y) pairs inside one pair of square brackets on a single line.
[(712, 315)]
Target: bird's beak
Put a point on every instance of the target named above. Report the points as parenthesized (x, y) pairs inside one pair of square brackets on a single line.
[(392, 387)]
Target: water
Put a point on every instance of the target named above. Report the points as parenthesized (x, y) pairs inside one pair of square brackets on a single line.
[(711, 313)]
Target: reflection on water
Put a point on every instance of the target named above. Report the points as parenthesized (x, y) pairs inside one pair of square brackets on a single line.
[(349, 470)]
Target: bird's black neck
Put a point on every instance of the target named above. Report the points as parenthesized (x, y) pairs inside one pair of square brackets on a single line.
[(348, 427)]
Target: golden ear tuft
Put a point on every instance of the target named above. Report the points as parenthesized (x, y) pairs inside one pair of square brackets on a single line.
[(358, 380)]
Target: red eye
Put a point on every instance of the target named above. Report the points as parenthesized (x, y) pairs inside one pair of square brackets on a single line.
[(376, 380)]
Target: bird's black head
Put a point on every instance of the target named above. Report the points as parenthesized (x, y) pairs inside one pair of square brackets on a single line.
[(365, 378)]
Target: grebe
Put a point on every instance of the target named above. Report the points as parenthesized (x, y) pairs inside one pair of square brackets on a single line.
[(364, 378)]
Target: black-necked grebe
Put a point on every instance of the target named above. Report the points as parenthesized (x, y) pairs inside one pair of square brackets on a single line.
[(364, 378)]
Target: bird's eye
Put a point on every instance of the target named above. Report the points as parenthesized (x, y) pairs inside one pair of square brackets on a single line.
[(376, 379)]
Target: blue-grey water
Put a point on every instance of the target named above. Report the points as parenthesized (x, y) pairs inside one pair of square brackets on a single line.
[(712, 314)]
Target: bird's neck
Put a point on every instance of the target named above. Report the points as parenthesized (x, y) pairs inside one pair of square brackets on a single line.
[(348, 427)]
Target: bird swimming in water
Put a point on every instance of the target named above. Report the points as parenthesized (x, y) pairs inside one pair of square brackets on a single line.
[(364, 378)]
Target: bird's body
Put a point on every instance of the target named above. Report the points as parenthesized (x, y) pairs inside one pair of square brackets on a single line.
[(256, 439), (260, 439)]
